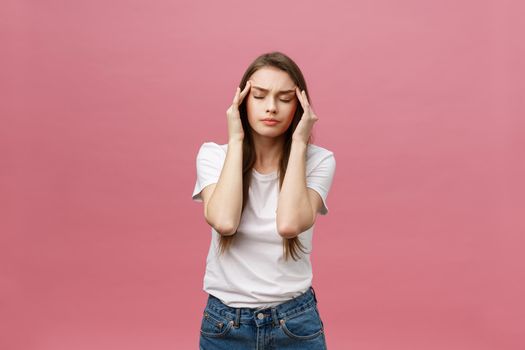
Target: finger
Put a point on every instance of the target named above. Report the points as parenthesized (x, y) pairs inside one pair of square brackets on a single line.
[(299, 96), (236, 97), (245, 91), (305, 98)]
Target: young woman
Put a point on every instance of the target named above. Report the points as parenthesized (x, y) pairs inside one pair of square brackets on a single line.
[(261, 193)]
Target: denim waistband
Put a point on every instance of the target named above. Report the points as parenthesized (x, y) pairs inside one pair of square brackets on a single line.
[(273, 314)]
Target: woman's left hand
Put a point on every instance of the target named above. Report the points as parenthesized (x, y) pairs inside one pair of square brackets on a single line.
[(304, 128)]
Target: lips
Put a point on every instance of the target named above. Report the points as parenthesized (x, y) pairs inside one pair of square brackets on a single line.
[(270, 120)]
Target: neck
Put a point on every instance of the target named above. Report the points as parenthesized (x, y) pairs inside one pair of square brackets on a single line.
[(268, 151)]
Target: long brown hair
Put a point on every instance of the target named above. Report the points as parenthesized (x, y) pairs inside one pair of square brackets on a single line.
[(281, 61)]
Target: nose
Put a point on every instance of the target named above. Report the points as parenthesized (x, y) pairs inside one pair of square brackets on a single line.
[(271, 106)]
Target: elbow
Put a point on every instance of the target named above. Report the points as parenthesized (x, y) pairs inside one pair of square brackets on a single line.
[(225, 229), (222, 228), (291, 230), (288, 231)]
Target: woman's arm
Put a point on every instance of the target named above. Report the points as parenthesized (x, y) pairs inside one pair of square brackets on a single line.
[(297, 205), (222, 207)]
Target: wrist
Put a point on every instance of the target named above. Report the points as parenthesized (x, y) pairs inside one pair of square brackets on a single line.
[(235, 140), (299, 143)]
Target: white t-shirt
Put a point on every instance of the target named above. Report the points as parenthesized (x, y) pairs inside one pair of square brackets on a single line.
[(252, 272)]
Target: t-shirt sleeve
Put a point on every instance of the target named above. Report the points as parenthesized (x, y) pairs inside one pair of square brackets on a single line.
[(320, 178), (210, 160)]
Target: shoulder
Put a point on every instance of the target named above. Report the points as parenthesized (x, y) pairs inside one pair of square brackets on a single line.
[(211, 154), (316, 154), (316, 150), (210, 147)]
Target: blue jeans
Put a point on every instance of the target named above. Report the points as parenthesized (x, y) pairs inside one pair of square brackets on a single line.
[(293, 324)]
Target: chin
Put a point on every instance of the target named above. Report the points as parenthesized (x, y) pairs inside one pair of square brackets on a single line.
[(269, 133)]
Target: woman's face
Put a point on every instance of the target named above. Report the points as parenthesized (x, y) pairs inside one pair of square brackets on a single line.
[(272, 95)]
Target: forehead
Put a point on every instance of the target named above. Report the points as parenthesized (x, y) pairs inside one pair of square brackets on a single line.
[(272, 79)]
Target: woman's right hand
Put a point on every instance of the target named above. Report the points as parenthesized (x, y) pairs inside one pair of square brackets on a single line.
[(235, 130)]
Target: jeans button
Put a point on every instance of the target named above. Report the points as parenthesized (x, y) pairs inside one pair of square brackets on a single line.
[(260, 316)]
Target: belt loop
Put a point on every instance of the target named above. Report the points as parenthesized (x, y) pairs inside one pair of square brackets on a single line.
[(313, 292), (274, 317), (237, 320)]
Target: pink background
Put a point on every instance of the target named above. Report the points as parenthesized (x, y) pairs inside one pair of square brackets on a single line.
[(103, 108)]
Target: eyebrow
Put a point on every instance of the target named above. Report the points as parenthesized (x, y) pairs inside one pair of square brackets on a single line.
[(266, 90)]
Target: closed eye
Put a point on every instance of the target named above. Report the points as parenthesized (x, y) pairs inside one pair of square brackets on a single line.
[(260, 98)]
